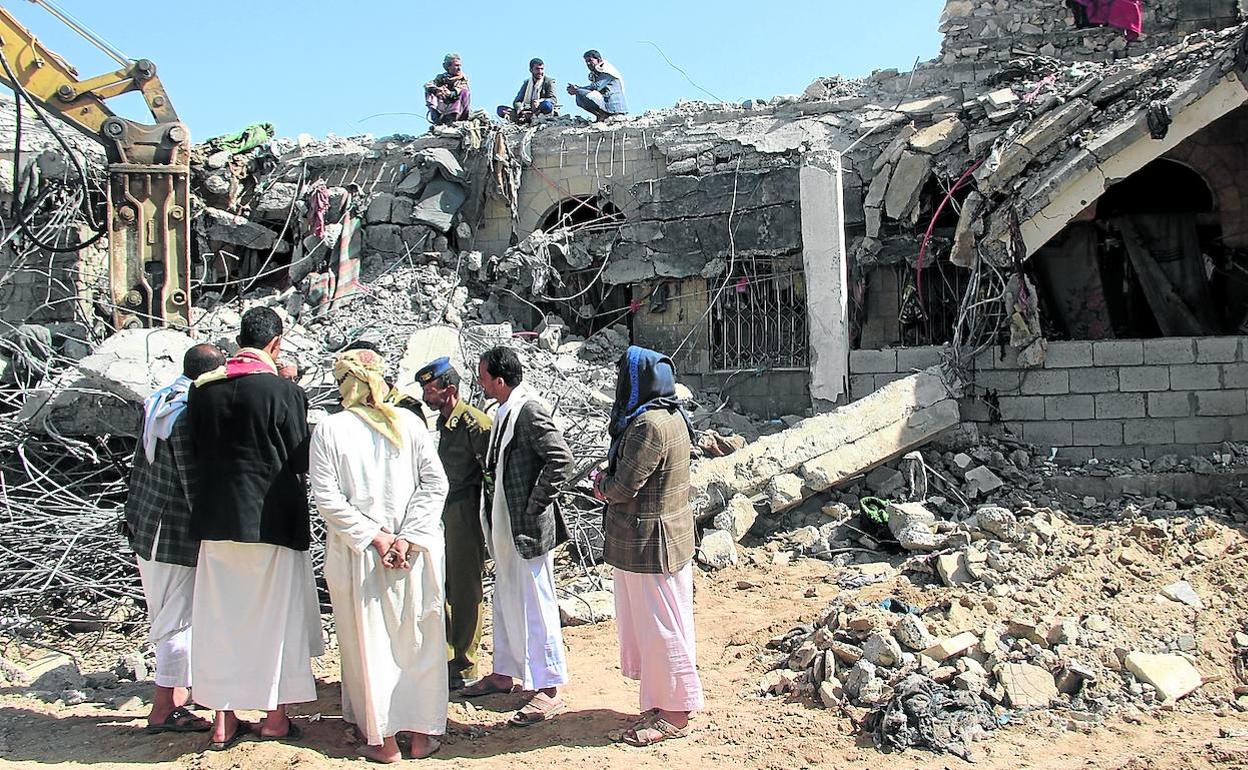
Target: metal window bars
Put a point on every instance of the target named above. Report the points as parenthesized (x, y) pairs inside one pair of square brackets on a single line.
[(759, 320)]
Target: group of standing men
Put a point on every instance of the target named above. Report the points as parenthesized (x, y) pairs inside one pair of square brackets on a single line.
[(449, 97), (218, 517)]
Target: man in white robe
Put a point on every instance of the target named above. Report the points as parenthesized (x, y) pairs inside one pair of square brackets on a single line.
[(378, 482), (256, 614), (528, 461)]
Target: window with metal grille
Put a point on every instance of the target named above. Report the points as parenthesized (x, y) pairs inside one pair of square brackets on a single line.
[(758, 319)]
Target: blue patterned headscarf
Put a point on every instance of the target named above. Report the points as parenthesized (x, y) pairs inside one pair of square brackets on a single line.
[(646, 380)]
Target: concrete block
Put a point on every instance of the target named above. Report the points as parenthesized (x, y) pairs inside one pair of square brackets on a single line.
[(1045, 383), (1202, 430), (1135, 432), (974, 410), (1069, 408), (1170, 350), (884, 379), (1049, 434), (1234, 376), (1116, 453), (1026, 685), (1075, 455), (1195, 377), (861, 386), (913, 359), (1061, 355), (1172, 404), (870, 361), (1143, 378), (1173, 675), (1004, 381), (1102, 380), (1161, 450), (1239, 428), (1118, 405), (951, 646), (1217, 350), (1098, 433), (1221, 402), (1021, 407), (1117, 353)]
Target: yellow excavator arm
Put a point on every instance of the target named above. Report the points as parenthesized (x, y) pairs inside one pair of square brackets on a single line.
[(148, 212)]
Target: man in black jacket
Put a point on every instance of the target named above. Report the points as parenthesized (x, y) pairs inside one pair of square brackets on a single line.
[(527, 462), (255, 612)]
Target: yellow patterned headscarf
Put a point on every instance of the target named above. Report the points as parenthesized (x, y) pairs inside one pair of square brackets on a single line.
[(364, 392)]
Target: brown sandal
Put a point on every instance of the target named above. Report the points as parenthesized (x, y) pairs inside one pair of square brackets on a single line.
[(652, 731), (539, 708)]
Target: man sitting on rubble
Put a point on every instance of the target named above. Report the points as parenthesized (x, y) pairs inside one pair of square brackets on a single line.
[(447, 95), (535, 97), (157, 527), (604, 96)]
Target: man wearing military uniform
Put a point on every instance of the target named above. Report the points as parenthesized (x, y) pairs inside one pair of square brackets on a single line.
[(464, 433)]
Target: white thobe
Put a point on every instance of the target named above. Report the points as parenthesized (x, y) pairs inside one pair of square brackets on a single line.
[(169, 591), (528, 642), (390, 623), (257, 626)]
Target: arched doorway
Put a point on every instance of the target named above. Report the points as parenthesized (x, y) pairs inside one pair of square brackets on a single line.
[(1139, 262)]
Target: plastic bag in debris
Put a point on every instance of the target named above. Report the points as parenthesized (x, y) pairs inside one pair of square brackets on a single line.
[(924, 714)]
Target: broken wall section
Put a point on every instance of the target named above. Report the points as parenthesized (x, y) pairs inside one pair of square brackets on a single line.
[(982, 33), (1109, 399)]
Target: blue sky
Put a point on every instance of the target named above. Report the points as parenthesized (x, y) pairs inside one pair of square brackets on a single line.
[(318, 67)]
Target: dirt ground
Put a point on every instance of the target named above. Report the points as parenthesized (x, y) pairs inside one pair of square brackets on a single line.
[(738, 728)]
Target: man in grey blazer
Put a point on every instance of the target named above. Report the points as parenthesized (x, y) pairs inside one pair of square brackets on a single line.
[(527, 462)]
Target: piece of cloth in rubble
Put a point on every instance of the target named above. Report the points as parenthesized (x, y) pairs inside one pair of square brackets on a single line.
[(645, 380), (928, 715), (318, 204), (389, 622), (361, 384), (1126, 15), (246, 361), (249, 138), (160, 411)]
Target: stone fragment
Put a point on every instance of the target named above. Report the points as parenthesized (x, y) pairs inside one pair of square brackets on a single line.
[(860, 675), (846, 652), (737, 517), (911, 632), (952, 569), (718, 549), (906, 183), (1026, 686), (1065, 631), (801, 658), (938, 137), (951, 646), (1172, 675), (1182, 591), (1000, 522), (981, 481), (1001, 98), (777, 682), (831, 694), (586, 608), (784, 491), (378, 211), (885, 482), (54, 672), (1073, 677), (882, 650), (911, 524)]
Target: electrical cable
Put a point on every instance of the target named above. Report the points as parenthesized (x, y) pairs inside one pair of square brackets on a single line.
[(23, 223)]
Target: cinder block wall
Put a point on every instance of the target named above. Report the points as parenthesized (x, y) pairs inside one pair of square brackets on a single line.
[(1106, 399)]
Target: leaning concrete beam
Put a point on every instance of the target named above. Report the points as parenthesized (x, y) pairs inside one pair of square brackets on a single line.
[(857, 436)]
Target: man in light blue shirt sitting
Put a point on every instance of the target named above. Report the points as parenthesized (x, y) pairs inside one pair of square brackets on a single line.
[(604, 96)]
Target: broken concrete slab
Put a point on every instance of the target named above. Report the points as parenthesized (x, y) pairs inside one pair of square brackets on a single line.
[(953, 570), (103, 394), (829, 448), (784, 491), (980, 481), (439, 203), (911, 524), (1173, 675), (53, 672), (938, 137), (906, 182), (224, 227), (1026, 685)]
